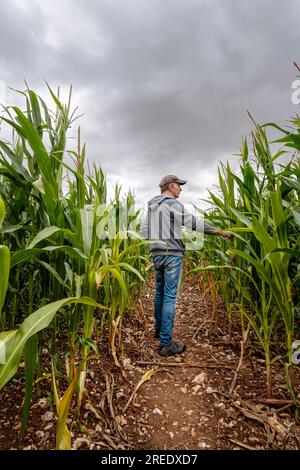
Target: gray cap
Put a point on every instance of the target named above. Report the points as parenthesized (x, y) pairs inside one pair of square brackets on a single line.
[(171, 179)]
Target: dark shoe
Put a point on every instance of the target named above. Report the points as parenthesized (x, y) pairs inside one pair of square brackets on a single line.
[(172, 349)]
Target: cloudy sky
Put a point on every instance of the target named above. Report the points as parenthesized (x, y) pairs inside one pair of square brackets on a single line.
[(165, 85)]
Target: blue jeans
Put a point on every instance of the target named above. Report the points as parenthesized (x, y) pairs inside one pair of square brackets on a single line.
[(168, 270)]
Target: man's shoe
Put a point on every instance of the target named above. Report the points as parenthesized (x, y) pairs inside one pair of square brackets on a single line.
[(172, 349)]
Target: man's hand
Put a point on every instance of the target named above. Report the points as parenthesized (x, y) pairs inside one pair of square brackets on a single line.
[(225, 235)]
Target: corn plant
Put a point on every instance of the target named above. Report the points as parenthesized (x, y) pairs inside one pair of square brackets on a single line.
[(261, 206), (55, 236)]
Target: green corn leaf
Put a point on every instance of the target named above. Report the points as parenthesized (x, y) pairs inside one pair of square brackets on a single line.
[(117, 275), (23, 255), (36, 322), (35, 143), (2, 211), (289, 251), (53, 272), (128, 267), (87, 224), (221, 267), (4, 270), (13, 228), (55, 99), (63, 436), (241, 217), (42, 235), (18, 128), (6, 338), (35, 109), (17, 165), (30, 356)]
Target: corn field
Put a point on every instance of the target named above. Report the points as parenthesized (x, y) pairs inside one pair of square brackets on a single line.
[(258, 278), (61, 271), (64, 278)]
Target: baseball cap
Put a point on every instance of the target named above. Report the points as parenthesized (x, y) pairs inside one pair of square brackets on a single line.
[(171, 179)]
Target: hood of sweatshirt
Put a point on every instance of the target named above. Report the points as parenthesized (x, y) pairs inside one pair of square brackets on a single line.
[(156, 201)]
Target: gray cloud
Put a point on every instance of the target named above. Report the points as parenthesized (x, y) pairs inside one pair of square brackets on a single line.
[(164, 85), (22, 32)]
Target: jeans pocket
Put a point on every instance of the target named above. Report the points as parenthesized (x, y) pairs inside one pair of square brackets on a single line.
[(157, 261)]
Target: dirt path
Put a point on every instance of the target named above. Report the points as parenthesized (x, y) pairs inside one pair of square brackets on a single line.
[(189, 407), (180, 406)]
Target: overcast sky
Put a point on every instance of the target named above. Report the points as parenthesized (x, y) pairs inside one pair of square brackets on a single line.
[(165, 85)]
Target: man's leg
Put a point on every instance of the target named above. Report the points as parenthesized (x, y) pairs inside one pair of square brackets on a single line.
[(172, 275), (159, 292)]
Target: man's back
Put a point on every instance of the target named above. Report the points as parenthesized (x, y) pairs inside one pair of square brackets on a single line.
[(163, 223)]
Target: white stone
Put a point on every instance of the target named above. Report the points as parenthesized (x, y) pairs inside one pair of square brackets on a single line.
[(157, 411)]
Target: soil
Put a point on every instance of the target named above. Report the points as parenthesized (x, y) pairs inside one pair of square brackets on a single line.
[(186, 402)]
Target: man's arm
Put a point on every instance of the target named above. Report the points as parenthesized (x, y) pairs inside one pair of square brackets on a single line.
[(190, 221), (213, 231)]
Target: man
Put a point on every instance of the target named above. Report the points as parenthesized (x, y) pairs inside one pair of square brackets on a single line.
[(163, 225)]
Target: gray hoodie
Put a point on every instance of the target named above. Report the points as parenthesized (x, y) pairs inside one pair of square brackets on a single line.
[(163, 224)]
